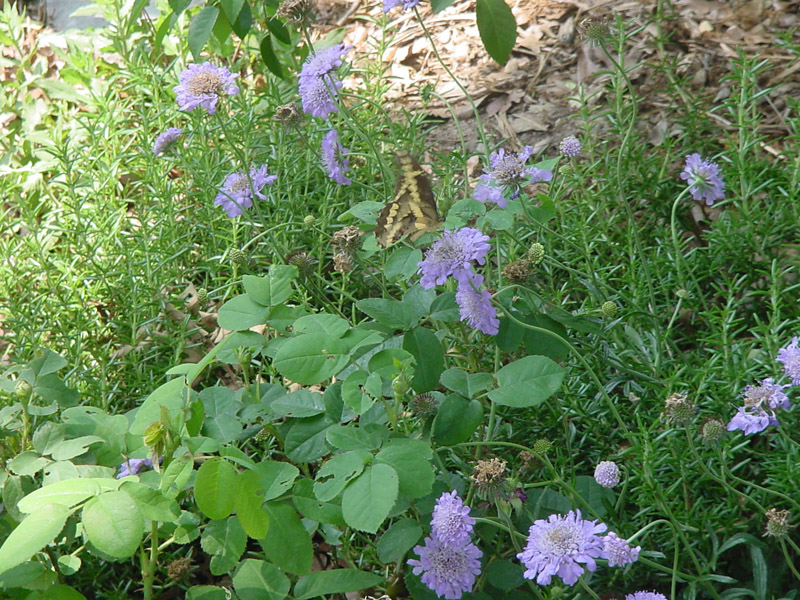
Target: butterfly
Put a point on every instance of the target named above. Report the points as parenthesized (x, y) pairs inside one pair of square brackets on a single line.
[(412, 210)]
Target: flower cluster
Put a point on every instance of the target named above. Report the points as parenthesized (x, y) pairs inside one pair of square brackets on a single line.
[(703, 178), (406, 4), (507, 173), (564, 545), (570, 146), (762, 400), (165, 141), (453, 255), (606, 473), (202, 85), (134, 466), (318, 84), (239, 188), (333, 157), (448, 561), (645, 595)]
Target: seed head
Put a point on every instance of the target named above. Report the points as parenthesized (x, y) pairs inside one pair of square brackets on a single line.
[(609, 309), (541, 447), (423, 405), (342, 262), (237, 256), (777, 523), (301, 260), (179, 568), (678, 409), (712, 429), (536, 253), (595, 32), (347, 238), (286, 113), (489, 476), (517, 271), (296, 10)]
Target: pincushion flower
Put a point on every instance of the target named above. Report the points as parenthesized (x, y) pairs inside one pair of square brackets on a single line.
[(453, 254), (507, 173), (318, 84), (165, 141), (475, 305), (333, 156), (703, 177), (606, 473), (449, 571), (618, 552), (133, 466), (789, 356), (238, 190), (202, 85), (570, 146), (643, 595), (562, 546), (760, 403), (406, 4), (451, 523)]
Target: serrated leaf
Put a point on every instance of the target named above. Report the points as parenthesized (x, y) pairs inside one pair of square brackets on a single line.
[(411, 460), (527, 382), (225, 540), (34, 533), (336, 473), (248, 498), (113, 524), (368, 500), (398, 539), (287, 543), (456, 420), (259, 580), (334, 581), (214, 488)]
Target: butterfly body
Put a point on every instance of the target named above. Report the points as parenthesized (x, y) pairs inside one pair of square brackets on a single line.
[(412, 210)]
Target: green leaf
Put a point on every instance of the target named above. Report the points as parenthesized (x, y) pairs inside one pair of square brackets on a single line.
[(334, 581), (354, 437), (214, 488), (322, 323), (52, 389), (336, 473), (504, 575), (68, 493), (200, 30), (152, 503), (527, 382), (427, 350), (278, 29), (368, 500), (419, 299), (439, 5), (287, 543), (27, 463), (270, 58), (249, 497), (392, 313), (225, 541), (241, 313), (594, 494), (207, 592), (456, 420), (311, 358), (307, 505), (34, 533), (274, 289), (172, 395), (75, 447), (468, 385), (275, 477), (398, 539), (445, 309), (49, 362), (540, 343), (384, 362), (497, 28), (178, 6), (299, 404), (27, 575), (402, 264), (68, 564), (113, 524), (356, 393), (305, 441), (411, 460), (47, 437), (175, 477), (543, 502), (499, 220), (237, 12), (259, 580)]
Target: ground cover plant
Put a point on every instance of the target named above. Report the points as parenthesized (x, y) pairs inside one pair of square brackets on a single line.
[(264, 341)]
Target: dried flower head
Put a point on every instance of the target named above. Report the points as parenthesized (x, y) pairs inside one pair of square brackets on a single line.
[(777, 523), (609, 309), (179, 568), (489, 476), (301, 260), (296, 11), (202, 85), (342, 262), (526, 460), (517, 271), (423, 405), (678, 409), (536, 253), (347, 238), (286, 113)]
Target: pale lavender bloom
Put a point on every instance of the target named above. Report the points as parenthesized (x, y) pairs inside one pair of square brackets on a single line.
[(453, 255), (407, 4), (451, 522), (618, 552), (202, 85), (643, 595), (318, 84), (133, 466), (508, 173), (703, 179), (238, 190), (760, 403), (475, 305), (570, 146), (333, 156), (561, 546), (606, 473), (165, 141), (448, 571), (790, 357)]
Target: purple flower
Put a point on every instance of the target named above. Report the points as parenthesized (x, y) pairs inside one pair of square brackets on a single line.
[(558, 545), (333, 155), (451, 523), (790, 357), (606, 473), (508, 173), (570, 146), (318, 84), (475, 305), (703, 179), (407, 4), (643, 595), (165, 141), (133, 466), (618, 551), (448, 571), (202, 85), (453, 255), (238, 190), (760, 403)]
